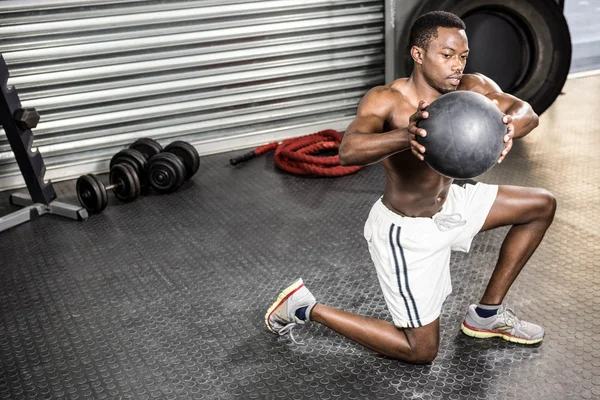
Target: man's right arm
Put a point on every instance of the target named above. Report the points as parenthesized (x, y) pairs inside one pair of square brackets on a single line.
[(364, 141)]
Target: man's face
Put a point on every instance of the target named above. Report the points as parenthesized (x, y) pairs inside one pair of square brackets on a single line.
[(445, 59)]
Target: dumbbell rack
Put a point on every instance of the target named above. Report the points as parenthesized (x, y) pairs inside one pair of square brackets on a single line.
[(42, 196)]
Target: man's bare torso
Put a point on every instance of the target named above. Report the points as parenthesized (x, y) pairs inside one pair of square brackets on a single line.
[(412, 188)]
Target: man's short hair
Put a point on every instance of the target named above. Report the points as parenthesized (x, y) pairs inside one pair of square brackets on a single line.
[(424, 29)]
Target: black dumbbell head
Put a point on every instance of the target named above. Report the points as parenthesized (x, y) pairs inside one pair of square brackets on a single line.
[(188, 154), (128, 184), (147, 146), (91, 193), (137, 161), (166, 173)]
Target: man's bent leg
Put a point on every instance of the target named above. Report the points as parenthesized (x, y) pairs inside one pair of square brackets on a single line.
[(413, 345), (296, 305), (530, 212)]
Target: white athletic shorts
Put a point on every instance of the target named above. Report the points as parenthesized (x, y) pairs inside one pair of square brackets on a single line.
[(412, 255)]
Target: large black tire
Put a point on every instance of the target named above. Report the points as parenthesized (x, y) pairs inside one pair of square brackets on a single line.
[(524, 45)]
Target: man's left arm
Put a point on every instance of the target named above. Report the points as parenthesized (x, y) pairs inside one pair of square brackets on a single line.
[(519, 117), (522, 116)]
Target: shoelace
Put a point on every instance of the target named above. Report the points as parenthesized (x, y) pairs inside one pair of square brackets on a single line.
[(510, 319), (288, 329), (445, 222)]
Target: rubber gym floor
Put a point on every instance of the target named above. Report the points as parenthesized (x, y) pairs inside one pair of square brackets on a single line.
[(164, 298)]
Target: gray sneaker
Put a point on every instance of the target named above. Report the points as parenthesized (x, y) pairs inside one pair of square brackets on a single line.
[(504, 324), (281, 316)]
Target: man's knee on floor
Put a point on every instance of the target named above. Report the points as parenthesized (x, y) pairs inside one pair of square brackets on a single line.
[(424, 343), (424, 354)]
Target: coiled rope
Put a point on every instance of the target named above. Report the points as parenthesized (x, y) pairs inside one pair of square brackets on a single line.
[(299, 155)]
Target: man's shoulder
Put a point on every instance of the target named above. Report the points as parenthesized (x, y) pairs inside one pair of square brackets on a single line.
[(386, 101), (392, 92), (399, 86), (477, 82), (470, 80)]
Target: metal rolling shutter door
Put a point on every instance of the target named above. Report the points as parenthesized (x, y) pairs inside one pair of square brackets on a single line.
[(222, 75)]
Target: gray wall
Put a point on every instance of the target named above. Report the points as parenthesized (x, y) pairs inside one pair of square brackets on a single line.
[(583, 18), (220, 74)]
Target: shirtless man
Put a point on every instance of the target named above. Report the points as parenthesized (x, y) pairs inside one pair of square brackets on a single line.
[(422, 215)]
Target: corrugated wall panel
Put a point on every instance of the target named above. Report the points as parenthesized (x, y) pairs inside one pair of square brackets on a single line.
[(222, 75)]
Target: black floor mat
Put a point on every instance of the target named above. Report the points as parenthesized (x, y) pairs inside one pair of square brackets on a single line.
[(165, 297)]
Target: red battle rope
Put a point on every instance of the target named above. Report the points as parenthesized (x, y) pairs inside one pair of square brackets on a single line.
[(296, 155)]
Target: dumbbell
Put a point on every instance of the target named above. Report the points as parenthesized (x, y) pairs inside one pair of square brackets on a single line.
[(147, 146), (138, 161), (165, 172), (183, 150), (93, 194), (187, 154), (178, 162)]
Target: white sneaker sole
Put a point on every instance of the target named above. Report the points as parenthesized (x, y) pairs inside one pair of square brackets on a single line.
[(283, 296), (486, 334)]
